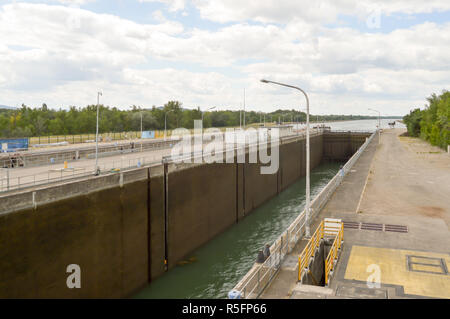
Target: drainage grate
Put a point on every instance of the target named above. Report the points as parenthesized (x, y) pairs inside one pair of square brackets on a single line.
[(370, 226), (396, 228), (351, 225), (376, 227)]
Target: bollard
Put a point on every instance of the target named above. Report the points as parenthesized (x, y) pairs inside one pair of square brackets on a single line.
[(266, 251), (260, 258)]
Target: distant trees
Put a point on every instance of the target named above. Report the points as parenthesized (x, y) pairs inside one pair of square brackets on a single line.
[(43, 121), (433, 123)]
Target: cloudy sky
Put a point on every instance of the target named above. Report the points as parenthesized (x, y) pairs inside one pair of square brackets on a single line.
[(347, 54)]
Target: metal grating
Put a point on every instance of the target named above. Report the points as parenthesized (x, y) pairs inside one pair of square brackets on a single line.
[(351, 225), (396, 228), (371, 226), (376, 227)]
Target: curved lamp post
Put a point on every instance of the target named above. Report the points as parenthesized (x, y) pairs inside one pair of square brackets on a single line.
[(96, 135), (307, 207)]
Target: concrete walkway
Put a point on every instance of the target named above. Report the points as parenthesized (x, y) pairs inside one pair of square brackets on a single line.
[(403, 182)]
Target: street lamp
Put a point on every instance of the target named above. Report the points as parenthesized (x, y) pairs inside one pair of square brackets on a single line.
[(141, 131), (244, 109), (96, 135), (307, 207), (379, 124), (165, 123)]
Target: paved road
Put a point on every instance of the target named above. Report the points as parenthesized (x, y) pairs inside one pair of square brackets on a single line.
[(407, 184), (409, 177)]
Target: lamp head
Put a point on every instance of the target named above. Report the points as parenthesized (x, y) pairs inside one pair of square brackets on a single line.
[(264, 81)]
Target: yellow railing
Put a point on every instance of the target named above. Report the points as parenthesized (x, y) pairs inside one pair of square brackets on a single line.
[(333, 254), (328, 227), (310, 250)]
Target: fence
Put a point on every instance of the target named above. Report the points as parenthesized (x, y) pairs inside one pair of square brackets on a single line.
[(83, 138), (86, 138), (309, 250), (328, 227), (331, 259), (10, 183), (259, 276)]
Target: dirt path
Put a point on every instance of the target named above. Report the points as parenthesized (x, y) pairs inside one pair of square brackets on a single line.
[(408, 177)]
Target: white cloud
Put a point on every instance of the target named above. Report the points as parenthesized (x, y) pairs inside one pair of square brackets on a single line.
[(61, 55), (325, 11)]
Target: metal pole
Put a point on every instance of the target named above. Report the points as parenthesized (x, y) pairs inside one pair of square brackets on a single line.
[(96, 133), (240, 118), (244, 109), (307, 207), (141, 132)]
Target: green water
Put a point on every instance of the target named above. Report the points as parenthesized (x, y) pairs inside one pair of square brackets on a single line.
[(221, 263)]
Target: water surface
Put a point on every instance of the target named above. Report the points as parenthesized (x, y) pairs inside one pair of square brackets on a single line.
[(222, 262)]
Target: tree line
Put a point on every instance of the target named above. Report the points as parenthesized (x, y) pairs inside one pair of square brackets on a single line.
[(433, 122), (43, 121)]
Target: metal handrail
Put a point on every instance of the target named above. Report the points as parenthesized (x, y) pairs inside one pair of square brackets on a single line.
[(324, 229), (331, 259), (310, 250)]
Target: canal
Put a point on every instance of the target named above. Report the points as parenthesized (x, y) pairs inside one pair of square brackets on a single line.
[(215, 268)]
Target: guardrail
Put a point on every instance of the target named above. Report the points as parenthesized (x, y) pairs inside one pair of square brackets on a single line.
[(310, 250), (14, 183), (260, 275), (328, 227), (10, 183), (331, 259)]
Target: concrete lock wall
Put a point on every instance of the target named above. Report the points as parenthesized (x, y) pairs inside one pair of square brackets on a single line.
[(122, 228), (341, 146), (201, 204), (102, 231)]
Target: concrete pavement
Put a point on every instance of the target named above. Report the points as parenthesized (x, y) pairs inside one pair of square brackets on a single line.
[(403, 182)]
